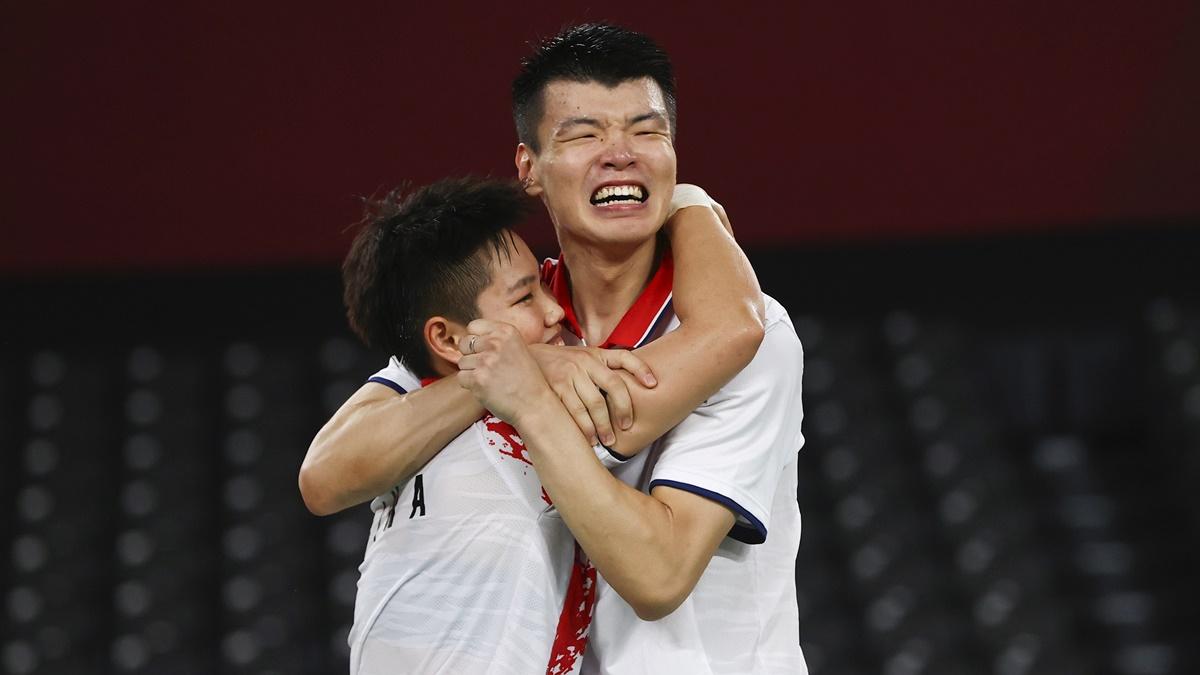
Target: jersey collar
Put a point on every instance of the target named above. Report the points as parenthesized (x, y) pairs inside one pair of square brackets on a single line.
[(634, 329)]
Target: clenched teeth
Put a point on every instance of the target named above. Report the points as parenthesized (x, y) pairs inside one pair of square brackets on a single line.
[(618, 194)]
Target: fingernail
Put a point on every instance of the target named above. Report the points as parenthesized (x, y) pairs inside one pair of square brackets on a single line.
[(651, 381), (594, 441), (609, 438), (626, 423)]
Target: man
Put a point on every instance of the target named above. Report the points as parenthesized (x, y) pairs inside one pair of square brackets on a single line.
[(507, 601), (595, 112), (595, 109)]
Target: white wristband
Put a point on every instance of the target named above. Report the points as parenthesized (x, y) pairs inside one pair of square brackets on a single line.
[(686, 195)]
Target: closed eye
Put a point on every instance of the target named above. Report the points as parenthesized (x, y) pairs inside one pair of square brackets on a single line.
[(528, 297)]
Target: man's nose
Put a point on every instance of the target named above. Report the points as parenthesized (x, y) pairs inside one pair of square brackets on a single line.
[(618, 152)]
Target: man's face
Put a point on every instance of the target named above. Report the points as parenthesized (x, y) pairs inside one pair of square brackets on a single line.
[(606, 168), (517, 296)]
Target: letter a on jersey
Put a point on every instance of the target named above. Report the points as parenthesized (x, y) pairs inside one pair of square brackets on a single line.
[(418, 497)]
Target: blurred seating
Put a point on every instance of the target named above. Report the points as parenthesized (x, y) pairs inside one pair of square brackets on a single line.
[(959, 517)]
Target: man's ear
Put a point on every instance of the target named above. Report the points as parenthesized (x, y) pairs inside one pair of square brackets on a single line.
[(527, 171), (442, 336)]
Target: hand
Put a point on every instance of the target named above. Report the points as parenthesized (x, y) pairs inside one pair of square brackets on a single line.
[(585, 380), (497, 368)]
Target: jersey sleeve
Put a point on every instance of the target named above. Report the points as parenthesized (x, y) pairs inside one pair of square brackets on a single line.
[(396, 377), (608, 457), (733, 448)]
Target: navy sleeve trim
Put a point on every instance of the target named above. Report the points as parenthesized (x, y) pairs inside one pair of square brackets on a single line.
[(755, 533), (387, 383)]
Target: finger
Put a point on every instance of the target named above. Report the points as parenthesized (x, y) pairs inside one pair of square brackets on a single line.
[(494, 331), (597, 409), (467, 345), (578, 412), (621, 359), (467, 380), (616, 394), (620, 405), (474, 345), (469, 362)]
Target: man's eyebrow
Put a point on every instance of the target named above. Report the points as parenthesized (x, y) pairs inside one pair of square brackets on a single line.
[(523, 281), (576, 121), (644, 117)]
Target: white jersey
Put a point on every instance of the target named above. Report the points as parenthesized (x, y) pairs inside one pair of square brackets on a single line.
[(468, 568), (739, 449)]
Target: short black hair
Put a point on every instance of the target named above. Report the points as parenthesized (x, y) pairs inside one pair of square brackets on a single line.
[(423, 254), (590, 52)]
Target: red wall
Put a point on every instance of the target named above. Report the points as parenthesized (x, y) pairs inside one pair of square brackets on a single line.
[(184, 134)]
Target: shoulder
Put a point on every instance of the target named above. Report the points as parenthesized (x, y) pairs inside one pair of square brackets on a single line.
[(774, 372), (781, 344), (776, 314)]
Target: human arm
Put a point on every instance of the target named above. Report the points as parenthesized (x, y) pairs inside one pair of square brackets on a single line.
[(651, 549), (718, 302), (377, 438), (381, 436), (718, 473), (720, 308)]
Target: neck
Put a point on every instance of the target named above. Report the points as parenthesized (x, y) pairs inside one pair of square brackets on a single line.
[(606, 282)]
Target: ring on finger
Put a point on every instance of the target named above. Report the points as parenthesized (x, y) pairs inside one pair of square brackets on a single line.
[(471, 344)]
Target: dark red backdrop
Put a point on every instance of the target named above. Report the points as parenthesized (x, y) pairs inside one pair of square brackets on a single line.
[(149, 135)]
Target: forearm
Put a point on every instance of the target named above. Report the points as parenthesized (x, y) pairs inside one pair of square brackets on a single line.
[(714, 281), (720, 309), (692, 363), (378, 439), (651, 548), (632, 538)]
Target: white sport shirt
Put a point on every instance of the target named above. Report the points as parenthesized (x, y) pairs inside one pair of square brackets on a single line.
[(739, 449), (468, 568)]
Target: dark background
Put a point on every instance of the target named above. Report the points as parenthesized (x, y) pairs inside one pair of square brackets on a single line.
[(150, 135), (983, 217)]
